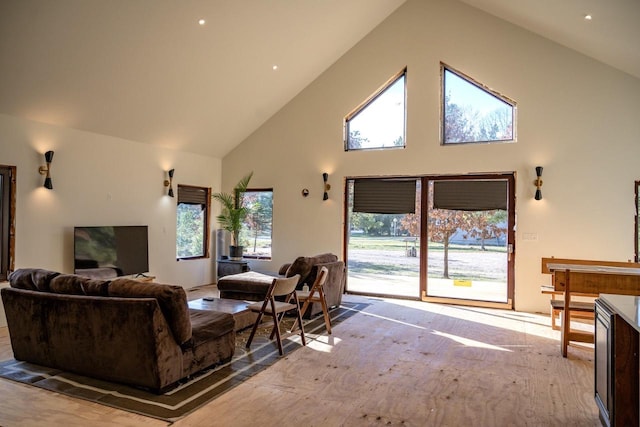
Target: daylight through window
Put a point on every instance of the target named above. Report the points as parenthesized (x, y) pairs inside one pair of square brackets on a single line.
[(471, 112), (379, 122), (256, 231), (192, 222)]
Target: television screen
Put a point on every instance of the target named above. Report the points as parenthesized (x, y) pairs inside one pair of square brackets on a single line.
[(107, 252)]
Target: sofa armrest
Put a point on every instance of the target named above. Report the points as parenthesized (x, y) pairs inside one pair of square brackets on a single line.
[(284, 268)]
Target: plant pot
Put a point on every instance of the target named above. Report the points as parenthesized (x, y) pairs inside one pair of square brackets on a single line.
[(235, 253)]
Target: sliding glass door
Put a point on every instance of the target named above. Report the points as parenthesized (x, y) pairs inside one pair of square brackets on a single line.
[(456, 244), (383, 236), (469, 234)]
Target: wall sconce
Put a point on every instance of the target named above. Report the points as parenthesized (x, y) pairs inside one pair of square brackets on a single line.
[(169, 183), (327, 187), (538, 183), (46, 170)]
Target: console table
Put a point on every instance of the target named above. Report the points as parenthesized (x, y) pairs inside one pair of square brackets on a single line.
[(227, 267)]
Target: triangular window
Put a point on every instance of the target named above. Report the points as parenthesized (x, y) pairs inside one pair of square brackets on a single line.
[(471, 112), (379, 122)]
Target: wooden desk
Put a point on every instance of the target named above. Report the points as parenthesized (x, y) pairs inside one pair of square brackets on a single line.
[(573, 276)]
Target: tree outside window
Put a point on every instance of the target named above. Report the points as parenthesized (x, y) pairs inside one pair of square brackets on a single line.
[(257, 227), (474, 113), (379, 122), (192, 222)]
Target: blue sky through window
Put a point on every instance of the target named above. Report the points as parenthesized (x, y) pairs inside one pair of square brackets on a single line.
[(381, 123), (474, 114)]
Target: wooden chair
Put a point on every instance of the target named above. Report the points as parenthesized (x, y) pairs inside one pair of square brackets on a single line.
[(575, 277), (316, 294), (281, 287), (578, 310)]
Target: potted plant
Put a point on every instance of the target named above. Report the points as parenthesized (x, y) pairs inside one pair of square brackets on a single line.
[(233, 214)]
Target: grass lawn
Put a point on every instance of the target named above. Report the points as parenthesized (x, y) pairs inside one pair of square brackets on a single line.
[(388, 256)]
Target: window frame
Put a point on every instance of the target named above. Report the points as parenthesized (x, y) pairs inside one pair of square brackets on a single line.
[(368, 101), (207, 220), (514, 106), (257, 257), (7, 220), (636, 222)]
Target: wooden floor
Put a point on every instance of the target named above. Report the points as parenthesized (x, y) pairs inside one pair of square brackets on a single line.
[(397, 363)]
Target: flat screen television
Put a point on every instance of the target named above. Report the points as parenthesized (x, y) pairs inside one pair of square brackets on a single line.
[(111, 251)]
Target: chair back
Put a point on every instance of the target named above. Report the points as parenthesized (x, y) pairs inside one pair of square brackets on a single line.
[(284, 286), (322, 277)]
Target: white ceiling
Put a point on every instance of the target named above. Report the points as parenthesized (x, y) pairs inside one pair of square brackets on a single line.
[(144, 70), (612, 36)]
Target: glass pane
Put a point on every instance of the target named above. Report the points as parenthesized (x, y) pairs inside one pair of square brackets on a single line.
[(384, 251), (256, 232), (381, 123), (472, 114), (190, 230), (467, 253)]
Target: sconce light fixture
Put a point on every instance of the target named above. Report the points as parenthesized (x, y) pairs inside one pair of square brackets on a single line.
[(327, 186), (169, 183), (46, 170), (538, 183)]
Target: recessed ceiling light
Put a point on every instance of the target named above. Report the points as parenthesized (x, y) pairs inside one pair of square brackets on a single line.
[(588, 17), (274, 68), (202, 21)]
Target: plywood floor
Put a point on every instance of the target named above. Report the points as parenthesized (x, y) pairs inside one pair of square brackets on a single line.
[(397, 363)]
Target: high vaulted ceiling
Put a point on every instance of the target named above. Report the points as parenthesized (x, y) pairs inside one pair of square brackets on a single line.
[(612, 35), (147, 71)]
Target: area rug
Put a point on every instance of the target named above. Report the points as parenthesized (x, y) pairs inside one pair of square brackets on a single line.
[(187, 397)]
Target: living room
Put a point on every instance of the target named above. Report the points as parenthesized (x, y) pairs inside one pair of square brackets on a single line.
[(577, 117)]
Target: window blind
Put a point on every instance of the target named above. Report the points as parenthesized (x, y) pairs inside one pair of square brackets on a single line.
[(470, 195), (384, 196), (193, 195)]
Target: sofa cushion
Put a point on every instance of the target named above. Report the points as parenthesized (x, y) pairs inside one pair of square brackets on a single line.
[(250, 282), (172, 300), (78, 285), (208, 325), (302, 266), (33, 279)]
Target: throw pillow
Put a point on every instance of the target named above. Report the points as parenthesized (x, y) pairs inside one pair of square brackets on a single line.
[(172, 300), (78, 285), (33, 279)]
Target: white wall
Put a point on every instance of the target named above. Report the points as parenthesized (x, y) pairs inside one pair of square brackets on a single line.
[(576, 117), (99, 180)]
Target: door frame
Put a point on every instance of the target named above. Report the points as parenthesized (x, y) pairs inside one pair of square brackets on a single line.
[(510, 177)]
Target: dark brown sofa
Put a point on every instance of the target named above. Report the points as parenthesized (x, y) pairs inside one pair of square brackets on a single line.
[(252, 286), (142, 334)]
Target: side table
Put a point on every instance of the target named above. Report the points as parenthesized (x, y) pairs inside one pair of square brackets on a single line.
[(227, 267)]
